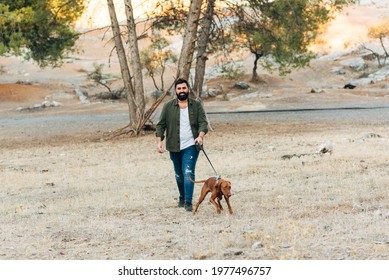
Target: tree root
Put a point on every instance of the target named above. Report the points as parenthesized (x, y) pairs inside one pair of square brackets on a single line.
[(126, 131)]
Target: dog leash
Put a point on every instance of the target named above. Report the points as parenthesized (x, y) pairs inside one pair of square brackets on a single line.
[(201, 148)]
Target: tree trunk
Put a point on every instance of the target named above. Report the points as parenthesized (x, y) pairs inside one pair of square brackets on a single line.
[(136, 66), (255, 74), (125, 71), (205, 30), (185, 60)]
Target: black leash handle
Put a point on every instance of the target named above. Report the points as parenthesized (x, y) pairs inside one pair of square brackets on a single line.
[(199, 148)]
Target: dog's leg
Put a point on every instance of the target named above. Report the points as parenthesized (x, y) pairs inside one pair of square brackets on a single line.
[(204, 192), (212, 200), (228, 204), (218, 202)]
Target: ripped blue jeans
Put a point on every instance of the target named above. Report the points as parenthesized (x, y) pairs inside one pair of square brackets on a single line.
[(184, 163)]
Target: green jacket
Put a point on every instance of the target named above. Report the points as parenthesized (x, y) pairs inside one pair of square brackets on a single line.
[(170, 122)]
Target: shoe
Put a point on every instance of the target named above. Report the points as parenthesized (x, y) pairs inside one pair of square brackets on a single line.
[(188, 206), (181, 202)]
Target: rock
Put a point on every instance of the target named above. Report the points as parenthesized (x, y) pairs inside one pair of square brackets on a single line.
[(368, 56), (45, 104), (370, 136), (241, 85), (233, 252), (82, 96), (336, 55), (213, 92), (84, 100), (81, 92), (317, 90), (257, 245), (349, 86), (326, 147), (381, 75), (55, 104), (362, 81), (37, 106), (356, 64), (338, 70), (378, 76)]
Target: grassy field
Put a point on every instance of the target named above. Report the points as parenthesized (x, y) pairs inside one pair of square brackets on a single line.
[(117, 199)]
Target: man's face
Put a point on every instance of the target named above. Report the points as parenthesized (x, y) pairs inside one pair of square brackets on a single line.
[(182, 91)]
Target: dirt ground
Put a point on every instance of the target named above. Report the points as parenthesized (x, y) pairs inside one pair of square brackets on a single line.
[(67, 193)]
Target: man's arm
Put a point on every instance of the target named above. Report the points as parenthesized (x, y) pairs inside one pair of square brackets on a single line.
[(203, 125), (160, 130)]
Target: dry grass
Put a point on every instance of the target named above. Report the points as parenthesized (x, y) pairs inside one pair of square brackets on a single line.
[(117, 200), (65, 198)]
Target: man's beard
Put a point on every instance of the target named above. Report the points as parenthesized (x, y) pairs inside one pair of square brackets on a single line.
[(182, 96)]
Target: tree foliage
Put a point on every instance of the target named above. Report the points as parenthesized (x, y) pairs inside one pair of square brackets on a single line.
[(380, 32), (40, 30), (155, 59), (169, 15), (279, 32)]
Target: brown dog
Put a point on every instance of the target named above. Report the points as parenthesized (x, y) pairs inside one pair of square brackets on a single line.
[(218, 188)]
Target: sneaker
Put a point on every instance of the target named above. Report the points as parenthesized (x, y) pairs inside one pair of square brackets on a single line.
[(188, 206), (181, 202)]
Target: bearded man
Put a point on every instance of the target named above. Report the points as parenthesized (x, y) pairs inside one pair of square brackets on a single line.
[(185, 124)]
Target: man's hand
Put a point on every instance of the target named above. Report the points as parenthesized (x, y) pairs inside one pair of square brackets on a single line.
[(160, 148), (199, 140)]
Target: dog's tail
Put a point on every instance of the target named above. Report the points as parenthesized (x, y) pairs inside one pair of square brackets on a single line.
[(200, 181)]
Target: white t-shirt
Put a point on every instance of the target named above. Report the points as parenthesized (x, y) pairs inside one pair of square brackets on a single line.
[(186, 135)]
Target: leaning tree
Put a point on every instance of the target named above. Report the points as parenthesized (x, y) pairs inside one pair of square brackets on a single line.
[(132, 75)]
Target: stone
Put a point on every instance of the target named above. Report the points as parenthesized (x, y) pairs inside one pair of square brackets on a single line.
[(241, 85)]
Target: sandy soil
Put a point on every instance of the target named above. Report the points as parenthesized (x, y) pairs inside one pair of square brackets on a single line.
[(66, 193)]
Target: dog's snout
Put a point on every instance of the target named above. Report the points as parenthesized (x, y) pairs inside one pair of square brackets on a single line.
[(227, 193)]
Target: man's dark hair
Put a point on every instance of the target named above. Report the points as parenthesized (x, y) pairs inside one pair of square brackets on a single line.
[(181, 81)]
